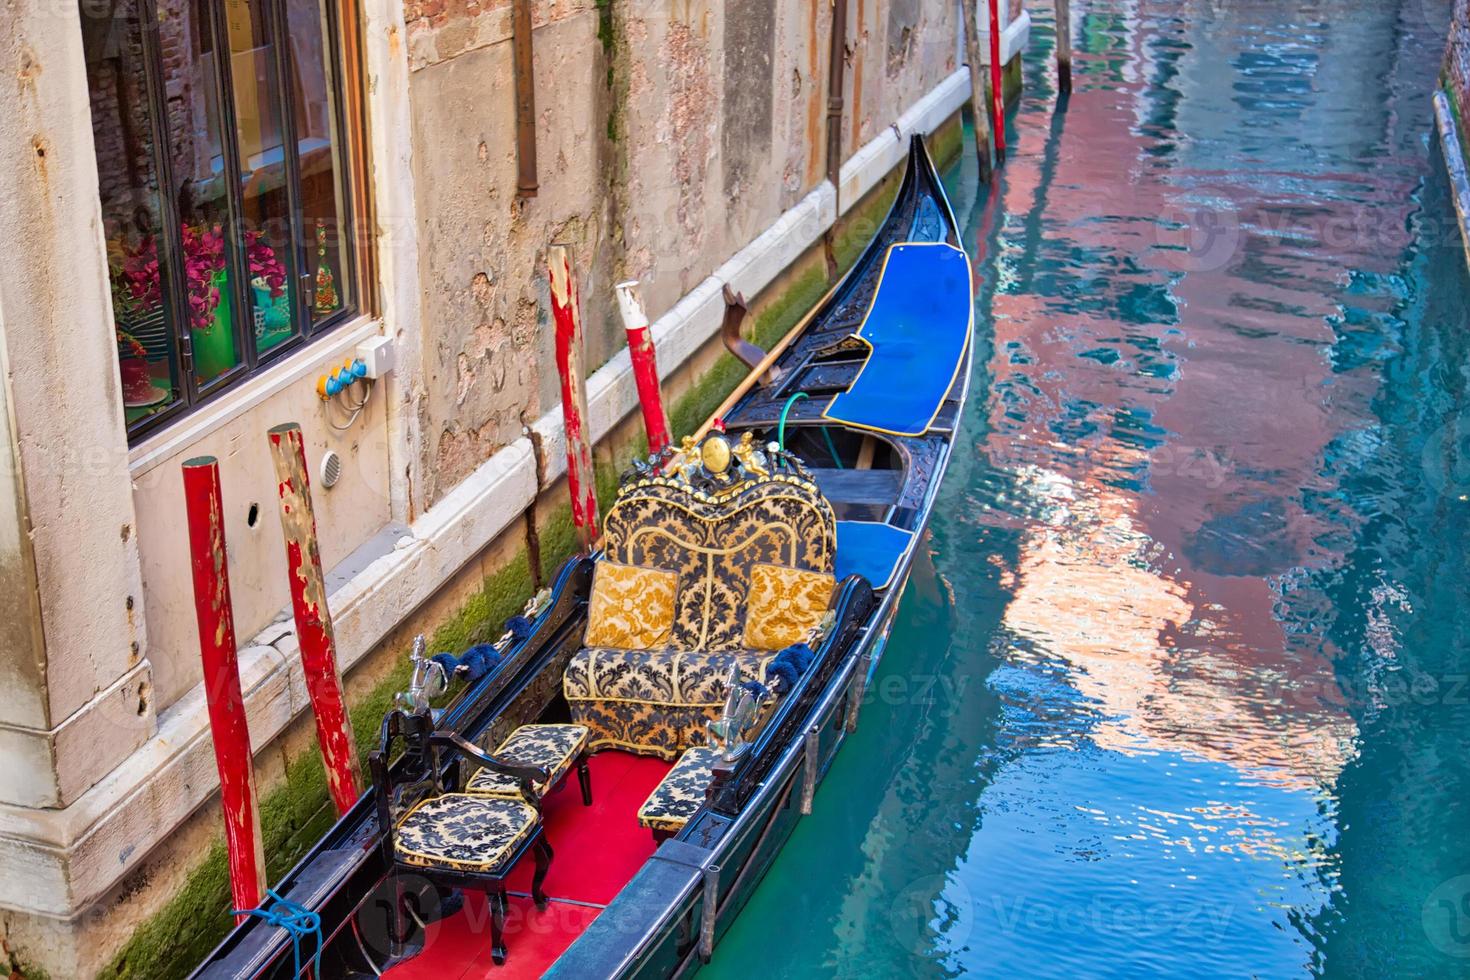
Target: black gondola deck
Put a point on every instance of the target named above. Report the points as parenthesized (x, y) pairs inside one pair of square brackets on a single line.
[(679, 901)]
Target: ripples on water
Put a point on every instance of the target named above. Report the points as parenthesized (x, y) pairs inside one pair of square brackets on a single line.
[(1203, 701)]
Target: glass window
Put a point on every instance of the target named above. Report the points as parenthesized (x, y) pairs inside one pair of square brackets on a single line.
[(220, 137)]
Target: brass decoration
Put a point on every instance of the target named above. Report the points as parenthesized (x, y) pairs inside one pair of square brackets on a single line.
[(752, 460), (715, 454)]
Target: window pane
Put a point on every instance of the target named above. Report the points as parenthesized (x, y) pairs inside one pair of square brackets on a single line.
[(196, 161), (322, 186), (264, 175), (122, 128)]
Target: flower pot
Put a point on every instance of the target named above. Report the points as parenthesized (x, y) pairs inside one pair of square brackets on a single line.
[(272, 316), (138, 388)]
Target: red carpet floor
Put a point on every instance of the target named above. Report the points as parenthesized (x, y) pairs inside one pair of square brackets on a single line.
[(598, 849)]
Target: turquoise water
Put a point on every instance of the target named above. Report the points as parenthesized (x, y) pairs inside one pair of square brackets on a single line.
[(1184, 685)]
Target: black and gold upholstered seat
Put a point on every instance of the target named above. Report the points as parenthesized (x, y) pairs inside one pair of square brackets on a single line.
[(670, 609), (681, 793), (460, 832), (434, 831), (555, 748)]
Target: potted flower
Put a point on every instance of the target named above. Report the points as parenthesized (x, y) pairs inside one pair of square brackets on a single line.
[(137, 384), (207, 295)]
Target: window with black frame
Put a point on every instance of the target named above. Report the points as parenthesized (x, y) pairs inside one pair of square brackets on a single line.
[(221, 136)]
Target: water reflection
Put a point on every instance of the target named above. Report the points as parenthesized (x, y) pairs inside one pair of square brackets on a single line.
[(1201, 564)]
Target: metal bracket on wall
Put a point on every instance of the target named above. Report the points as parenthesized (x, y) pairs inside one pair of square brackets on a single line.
[(524, 66)]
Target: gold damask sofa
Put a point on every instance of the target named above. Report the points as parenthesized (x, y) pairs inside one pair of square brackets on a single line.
[(696, 577)]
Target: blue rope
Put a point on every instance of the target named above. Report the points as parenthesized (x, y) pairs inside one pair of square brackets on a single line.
[(786, 668), (781, 429), (298, 921)]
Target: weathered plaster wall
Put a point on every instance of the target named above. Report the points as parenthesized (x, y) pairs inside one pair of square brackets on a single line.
[(899, 49), (482, 249), (668, 136), (1456, 75), (89, 704)]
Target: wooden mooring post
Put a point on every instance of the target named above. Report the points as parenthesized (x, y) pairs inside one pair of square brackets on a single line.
[(979, 104), (645, 366), (566, 311), (314, 634), (997, 87), (204, 514), (1064, 47)]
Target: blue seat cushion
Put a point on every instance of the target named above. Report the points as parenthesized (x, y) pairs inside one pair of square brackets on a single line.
[(871, 550), (919, 329)]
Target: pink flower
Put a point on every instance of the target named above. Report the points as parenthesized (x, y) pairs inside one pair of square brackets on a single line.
[(204, 260)]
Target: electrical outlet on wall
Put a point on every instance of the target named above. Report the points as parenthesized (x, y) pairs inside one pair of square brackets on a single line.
[(377, 354)]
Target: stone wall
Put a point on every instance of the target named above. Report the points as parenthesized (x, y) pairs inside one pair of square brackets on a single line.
[(1450, 113), (668, 135), (1456, 75)]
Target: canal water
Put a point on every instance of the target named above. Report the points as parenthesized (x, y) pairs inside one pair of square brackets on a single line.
[(1183, 686)]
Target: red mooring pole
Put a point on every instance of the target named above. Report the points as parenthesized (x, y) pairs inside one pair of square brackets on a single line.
[(645, 366), (204, 514), (567, 313), (313, 619), (997, 92)]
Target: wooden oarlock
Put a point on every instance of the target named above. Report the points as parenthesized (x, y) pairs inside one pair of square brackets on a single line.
[(566, 312), (204, 515), (313, 619), (645, 366)]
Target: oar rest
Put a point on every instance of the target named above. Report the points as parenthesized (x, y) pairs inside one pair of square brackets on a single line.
[(694, 579)]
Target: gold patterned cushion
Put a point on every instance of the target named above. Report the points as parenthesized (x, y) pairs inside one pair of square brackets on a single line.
[(652, 702), (463, 833), (631, 608), (554, 746), (675, 799), (784, 603), (713, 540)]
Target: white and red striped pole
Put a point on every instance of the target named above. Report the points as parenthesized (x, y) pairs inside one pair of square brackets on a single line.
[(204, 514), (567, 312), (997, 88), (645, 366), (314, 632)]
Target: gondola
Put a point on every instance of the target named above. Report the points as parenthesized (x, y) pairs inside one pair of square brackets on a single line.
[(619, 771)]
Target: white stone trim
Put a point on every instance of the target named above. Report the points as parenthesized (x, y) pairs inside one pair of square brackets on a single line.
[(330, 348), (1454, 161), (102, 836)]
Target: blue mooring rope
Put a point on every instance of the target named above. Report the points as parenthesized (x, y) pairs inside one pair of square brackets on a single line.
[(298, 921)]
